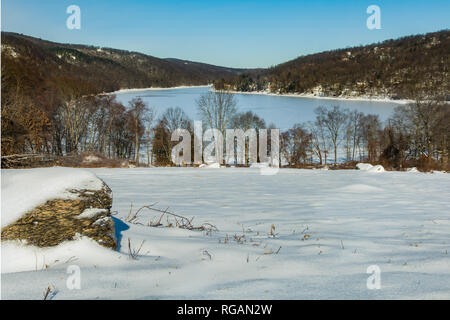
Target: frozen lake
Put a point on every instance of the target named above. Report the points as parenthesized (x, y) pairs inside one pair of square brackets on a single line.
[(282, 111)]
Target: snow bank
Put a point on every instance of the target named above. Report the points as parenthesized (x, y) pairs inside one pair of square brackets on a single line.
[(84, 251), (24, 189), (214, 165)]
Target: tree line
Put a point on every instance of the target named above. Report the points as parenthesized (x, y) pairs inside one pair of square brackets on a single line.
[(417, 134)]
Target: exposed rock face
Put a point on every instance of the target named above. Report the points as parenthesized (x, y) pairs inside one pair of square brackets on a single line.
[(60, 220)]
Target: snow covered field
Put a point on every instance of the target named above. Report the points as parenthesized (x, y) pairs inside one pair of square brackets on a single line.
[(330, 226)]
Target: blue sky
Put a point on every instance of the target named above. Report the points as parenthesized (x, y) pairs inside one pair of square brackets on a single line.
[(235, 33)]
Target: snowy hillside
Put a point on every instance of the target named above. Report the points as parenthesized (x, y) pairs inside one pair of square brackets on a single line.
[(299, 234)]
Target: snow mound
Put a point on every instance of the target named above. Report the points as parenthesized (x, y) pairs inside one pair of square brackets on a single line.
[(370, 168), (414, 169), (364, 166), (25, 189), (377, 168), (214, 165)]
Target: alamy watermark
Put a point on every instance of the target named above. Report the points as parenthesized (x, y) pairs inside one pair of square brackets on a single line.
[(74, 20), (240, 147), (374, 280), (374, 20), (74, 279)]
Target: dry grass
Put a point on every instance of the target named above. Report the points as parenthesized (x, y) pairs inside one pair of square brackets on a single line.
[(172, 220), (49, 292), (133, 252)]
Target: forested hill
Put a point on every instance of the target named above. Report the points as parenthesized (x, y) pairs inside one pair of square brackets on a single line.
[(394, 68), (33, 66)]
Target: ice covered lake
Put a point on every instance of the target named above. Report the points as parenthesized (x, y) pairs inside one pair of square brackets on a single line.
[(282, 111), (330, 227)]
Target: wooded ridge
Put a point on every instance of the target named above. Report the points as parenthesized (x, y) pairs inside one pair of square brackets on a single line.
[(31, 65), (394, 69)]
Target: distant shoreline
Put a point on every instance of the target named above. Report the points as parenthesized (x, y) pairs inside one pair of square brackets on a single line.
[(157, 88), (312, 96), (290, 95)]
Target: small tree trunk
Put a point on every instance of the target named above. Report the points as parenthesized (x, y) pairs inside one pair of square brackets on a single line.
[(137, 142), (335, 154)]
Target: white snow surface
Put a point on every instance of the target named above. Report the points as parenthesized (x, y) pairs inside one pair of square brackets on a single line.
[(330, 226), (24, 189)]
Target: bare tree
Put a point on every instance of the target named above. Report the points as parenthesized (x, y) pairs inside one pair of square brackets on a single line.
[(354, 132), (176, 118), (333, 120), (217, 109), (151, 114), (425, 126), (371, 126), (138, 110), (172, 119), (247, 120), (296, 145), (318, 140), (74, 115)]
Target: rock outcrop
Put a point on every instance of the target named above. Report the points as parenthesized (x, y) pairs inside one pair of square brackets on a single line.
[(87, 214)]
